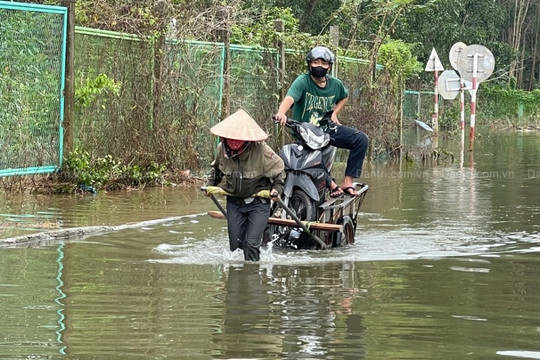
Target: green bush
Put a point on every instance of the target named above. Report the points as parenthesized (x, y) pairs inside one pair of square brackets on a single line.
[(504, 102), (109, 173)]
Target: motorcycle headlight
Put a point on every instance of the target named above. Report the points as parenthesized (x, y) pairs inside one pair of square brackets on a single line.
[(312, 140)]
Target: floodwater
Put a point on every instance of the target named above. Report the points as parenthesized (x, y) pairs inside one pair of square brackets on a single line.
[(446, 265)]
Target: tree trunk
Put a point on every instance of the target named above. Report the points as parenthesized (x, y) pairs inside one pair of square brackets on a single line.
[(308, 14), (534, 51), (516, 31)]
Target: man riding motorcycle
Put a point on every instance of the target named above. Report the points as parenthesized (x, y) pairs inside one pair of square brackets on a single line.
[(311, 96)]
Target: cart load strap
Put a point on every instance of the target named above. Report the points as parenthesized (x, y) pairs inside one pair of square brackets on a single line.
[(216, 190)]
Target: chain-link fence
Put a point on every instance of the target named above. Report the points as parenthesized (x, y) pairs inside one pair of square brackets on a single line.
[(32, 53), (165, 115), (417, 105), (157, 115), (145, 100)]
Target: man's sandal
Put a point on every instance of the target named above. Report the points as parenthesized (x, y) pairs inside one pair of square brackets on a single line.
[(336, 192), (349, 190)]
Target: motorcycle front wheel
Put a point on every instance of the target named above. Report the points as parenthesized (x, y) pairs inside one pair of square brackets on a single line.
[(304, 206), (305, 209)]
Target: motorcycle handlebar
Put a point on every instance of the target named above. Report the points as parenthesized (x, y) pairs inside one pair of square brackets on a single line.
[(289, 122)]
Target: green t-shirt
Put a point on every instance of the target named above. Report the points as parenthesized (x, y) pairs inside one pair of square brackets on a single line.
[(311, 102)]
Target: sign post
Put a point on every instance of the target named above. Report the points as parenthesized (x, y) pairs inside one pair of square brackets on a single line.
[(475, 63), (434, 64), (456, 49), (451, 84)]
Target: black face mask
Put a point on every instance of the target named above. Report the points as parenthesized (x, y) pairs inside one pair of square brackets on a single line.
[(318, 71)]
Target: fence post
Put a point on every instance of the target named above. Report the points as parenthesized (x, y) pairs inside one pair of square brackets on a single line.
[(224, 36), (279, 26), (69, 86), (375, 42), (160, 11), (334, 43)]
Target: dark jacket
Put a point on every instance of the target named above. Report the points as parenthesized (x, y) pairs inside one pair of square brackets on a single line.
[(257, 168)]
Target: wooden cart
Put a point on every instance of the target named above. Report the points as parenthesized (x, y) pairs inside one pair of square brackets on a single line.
[(335, 225)]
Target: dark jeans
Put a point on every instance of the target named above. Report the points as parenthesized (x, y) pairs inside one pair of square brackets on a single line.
[(356, 141), (246, 224)]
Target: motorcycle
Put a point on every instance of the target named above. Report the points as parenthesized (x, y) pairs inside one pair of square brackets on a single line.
[(308, 162)]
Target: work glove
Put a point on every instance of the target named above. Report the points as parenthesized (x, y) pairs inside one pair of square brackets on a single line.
[(274, 194)]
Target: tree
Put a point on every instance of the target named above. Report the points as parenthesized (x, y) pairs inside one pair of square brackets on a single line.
[(517, 14)]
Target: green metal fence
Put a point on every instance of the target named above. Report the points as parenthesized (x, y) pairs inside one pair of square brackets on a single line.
[(32, 67), (163, 98), (417, 105), (172, 126), (175, 130), (138, 123)]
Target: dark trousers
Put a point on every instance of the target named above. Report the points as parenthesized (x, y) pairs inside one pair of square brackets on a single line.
[(356, 141), (246, 224)]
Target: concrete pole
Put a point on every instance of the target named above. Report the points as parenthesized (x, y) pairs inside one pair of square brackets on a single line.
[(280, 28), (224, 36), (334, 43)]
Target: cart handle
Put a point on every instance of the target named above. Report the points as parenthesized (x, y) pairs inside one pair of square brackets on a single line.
[(216, 190)]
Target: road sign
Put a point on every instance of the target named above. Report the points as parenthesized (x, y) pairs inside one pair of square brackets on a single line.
[(456, 49), (434, 63), (449, 84), (485, 66)]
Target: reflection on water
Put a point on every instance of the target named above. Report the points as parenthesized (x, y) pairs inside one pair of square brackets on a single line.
[(445, 266), (21, 215), (117, 304), (279, 313)]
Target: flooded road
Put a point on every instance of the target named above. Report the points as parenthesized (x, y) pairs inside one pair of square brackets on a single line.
[(445, 266)]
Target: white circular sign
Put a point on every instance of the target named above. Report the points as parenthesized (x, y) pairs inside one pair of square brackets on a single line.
[(485, 64), (456, 49)]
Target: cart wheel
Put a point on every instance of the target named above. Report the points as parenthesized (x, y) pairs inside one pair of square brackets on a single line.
[(347, 236)]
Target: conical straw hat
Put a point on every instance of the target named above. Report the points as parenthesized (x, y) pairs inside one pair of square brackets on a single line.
[(239, 126)]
